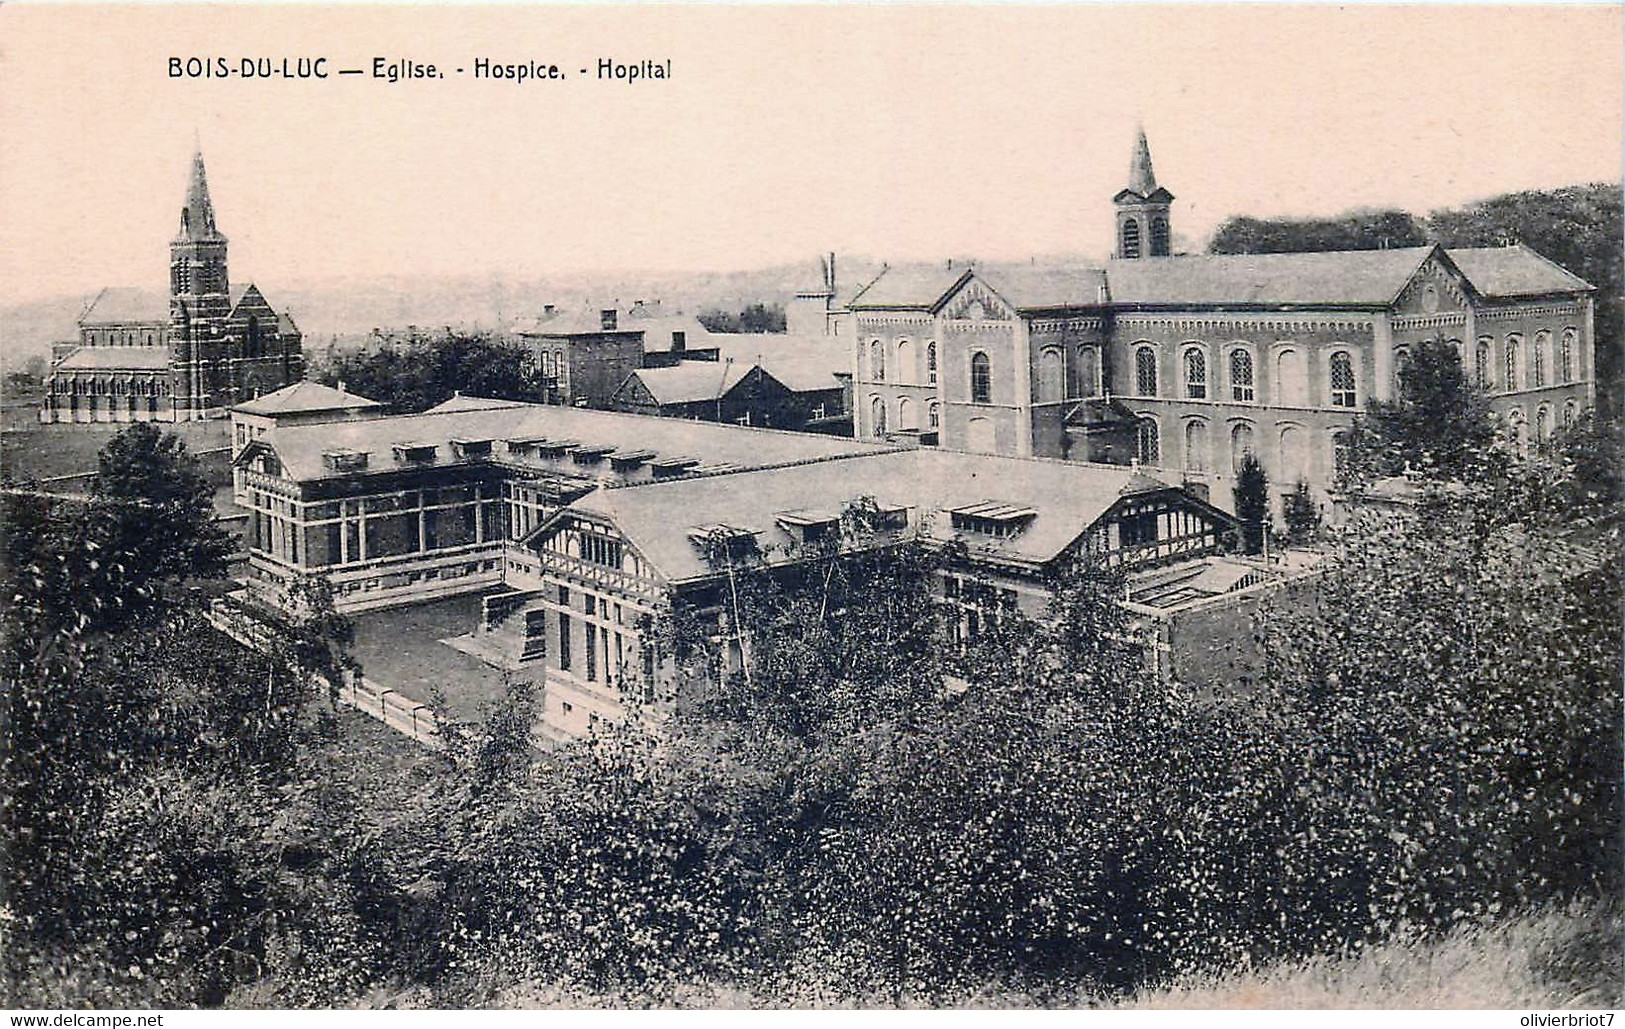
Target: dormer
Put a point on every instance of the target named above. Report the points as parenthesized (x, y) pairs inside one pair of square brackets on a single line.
[(415, 453), (626, 460), (809, 525), (730, 539), (992, 518), (467, 449), (591, 453), (664, 467), (343, 459)]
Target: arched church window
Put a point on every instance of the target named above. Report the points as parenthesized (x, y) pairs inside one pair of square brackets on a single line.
[(877, 361), (1195, 373), (981, 379), (1512, 363), (905, 370), (1131, 237), (1341, 374), (1088, 367), (1241, 375), (877, 415), (1482, 362), (1196, 446), (1150, 443), (1051, 376), (1291, 378), (1159, 236), (933, 415), (1568, 415), (907, 417), (1241, 444), (1543, 419), (1537, 359), (931, 361), (1565, 360), (1402, 362), (1145, 371)]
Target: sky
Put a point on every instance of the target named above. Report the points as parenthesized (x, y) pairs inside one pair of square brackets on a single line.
[(902, 132)]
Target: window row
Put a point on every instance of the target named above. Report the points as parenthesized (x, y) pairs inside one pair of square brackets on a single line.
[(1545, 427), (905, 417), (1292, 453), (1531, 367), (1291, 376), (905, 369), (141, 387)]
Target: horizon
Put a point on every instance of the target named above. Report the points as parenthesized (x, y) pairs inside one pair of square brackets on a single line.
[(890, 134)]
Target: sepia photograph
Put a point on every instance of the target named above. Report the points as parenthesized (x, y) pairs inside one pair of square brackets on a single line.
[(878, 507)]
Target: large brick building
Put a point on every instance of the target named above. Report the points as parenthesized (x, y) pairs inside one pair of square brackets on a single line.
[(212, 346), (1208, 357)]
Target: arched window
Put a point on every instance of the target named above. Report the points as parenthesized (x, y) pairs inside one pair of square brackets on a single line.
[(1537, 359), (1565, 357), (1294, 455), (907, 416), (1241, 444), (877, 415), (1291, 379), (1051, 376), (1195, 373), (877, 361), (1341, 374), (905, 371), (1088, 368), (1241, 375), (1568, 415), (1340, 453), (981, 379), (1196, 446), (1159, 236), (933, 415), (1543, 425), (1482, 363), (1131, 237), (558, 363), (1150, 442), (931, 361), (1402, 364), (1145, 371), (1512, 363)]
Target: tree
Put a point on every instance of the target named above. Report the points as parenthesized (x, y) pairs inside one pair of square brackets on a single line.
[(756, 317), (1357, 230), (416, 376), (1252, 503), (1438, 424), (1301, 515), (163, 505)]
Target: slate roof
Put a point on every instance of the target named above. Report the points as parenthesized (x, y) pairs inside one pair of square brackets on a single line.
[(691, 381), (1343, 278), (306, 396), (909, 288), (1514, 271), (102, 359), (802, 363), (124, 304), (1069, 497), (300, 447), (1037, 287)]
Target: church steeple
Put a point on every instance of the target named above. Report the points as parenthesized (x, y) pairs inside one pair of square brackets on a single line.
[(197, 215), (1142, 208)]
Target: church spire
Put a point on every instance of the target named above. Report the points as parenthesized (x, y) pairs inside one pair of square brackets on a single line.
[(197, 217), (1141, 179)]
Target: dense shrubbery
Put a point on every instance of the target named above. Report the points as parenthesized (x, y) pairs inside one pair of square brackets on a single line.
[(415, 376), (840, 819)]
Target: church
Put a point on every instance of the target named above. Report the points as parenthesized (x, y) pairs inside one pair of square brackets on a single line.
[(1184, 364), (215, 346)]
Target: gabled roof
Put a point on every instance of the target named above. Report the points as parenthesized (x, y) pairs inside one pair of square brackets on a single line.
[(125, 304), (459, 402), (921, 289), (1036, 287), (304, 397), (691, 381), (1514, 271), (1341, 278), (103, 359), (1067, 499)]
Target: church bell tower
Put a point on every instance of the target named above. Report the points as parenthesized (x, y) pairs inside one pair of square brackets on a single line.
[(199, 295), (1142, 209)]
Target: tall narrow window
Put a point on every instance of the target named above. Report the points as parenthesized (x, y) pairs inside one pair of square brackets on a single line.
[(564, 642), (1150, 443), (1565, 359), (1196, 446), (877, 415), (1512, 364), (905, 370), (1482, 362), (1241, 444), (1131, 237), (1340, 453), (1291, 379), (907, 419), (1195, 374), (1568, 415), (1145, 371), (591, 651), (981, 379), (1159, 236), (931, 361), (1543, 420), (1088, 368), (933, 415), (1402, 363), (1241, 375), (1051, 376), (1342, 380), (877, 361), (1537, 359)]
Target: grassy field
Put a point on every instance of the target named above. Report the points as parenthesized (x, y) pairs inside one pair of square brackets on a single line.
[(31, 450), (1557, 958)]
